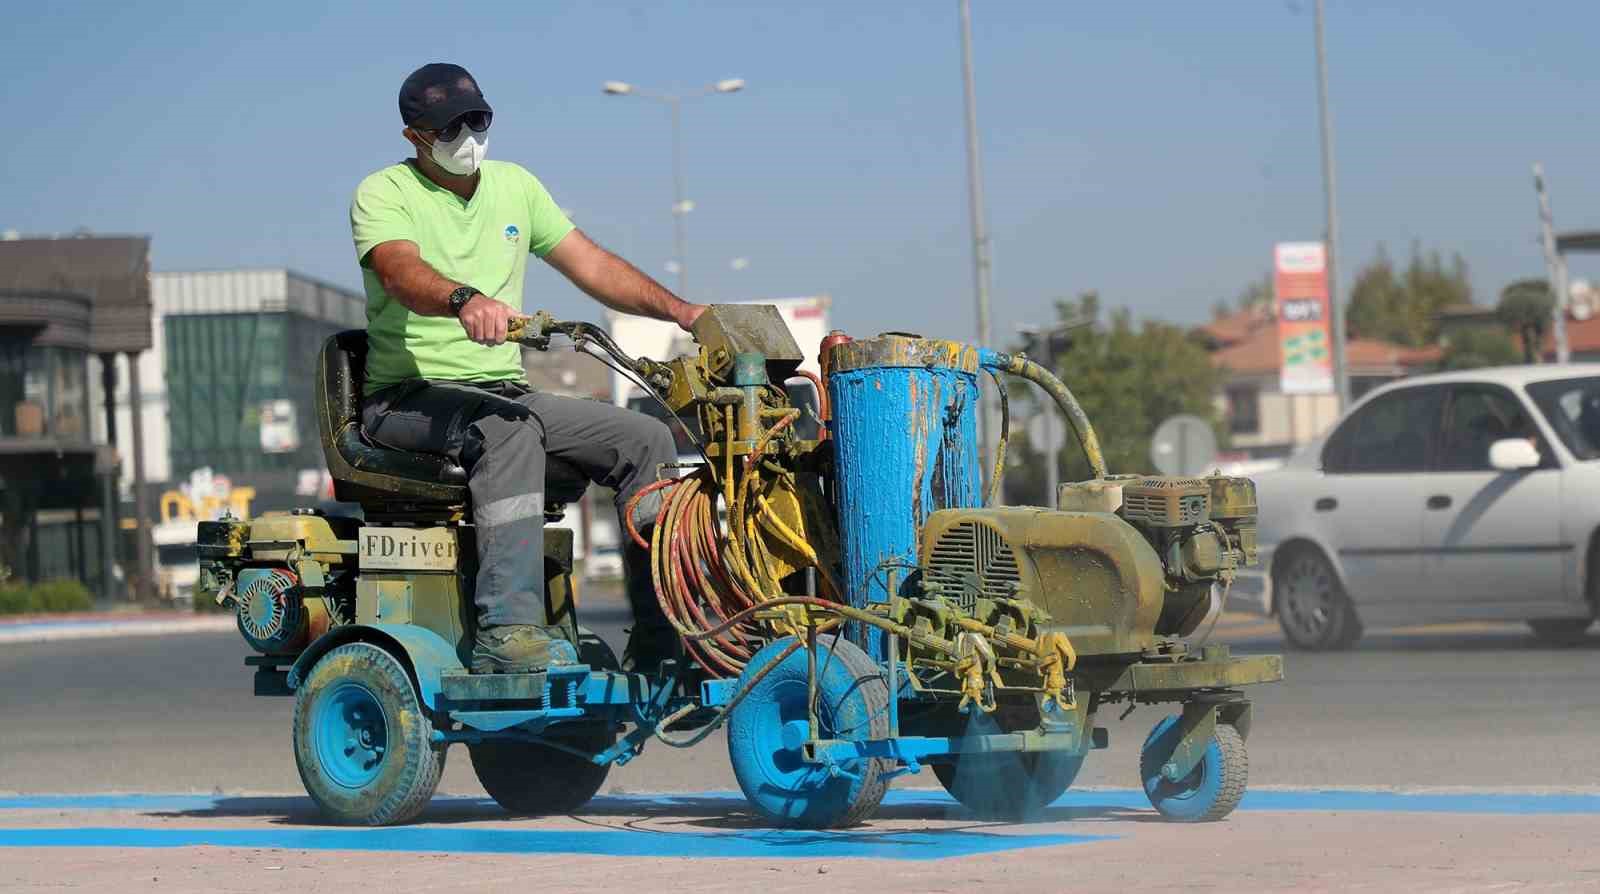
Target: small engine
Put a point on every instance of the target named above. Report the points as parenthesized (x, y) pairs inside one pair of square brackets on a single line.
[(288, 577)]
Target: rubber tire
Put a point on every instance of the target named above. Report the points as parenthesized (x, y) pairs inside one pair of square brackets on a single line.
[(531, 779), (1562, 631), (1009, 787), (1342, 626), (407, 774), (1209, 793), (853, 705), (1001, 787)]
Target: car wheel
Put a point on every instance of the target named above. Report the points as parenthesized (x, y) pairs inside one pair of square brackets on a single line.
[(1562, 631), (1311, 604)]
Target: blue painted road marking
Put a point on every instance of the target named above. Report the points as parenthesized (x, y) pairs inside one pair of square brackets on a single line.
[(414, 839), (1108, 804)]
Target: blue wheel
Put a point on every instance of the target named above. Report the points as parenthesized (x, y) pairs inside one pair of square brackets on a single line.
[(1211, 791), (766, 729), (361, 740)]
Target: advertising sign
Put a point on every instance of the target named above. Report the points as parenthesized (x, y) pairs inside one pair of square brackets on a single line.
[(1300, 281)]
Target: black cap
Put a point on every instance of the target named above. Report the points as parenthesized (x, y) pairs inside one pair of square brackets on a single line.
[(438, 93)]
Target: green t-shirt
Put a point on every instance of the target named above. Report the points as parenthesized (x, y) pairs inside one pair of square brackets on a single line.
[(483, 243)]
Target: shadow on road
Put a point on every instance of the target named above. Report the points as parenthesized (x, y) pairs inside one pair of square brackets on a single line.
[(693, 812)]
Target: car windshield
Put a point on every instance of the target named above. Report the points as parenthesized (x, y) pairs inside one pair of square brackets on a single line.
[(1573, 408)]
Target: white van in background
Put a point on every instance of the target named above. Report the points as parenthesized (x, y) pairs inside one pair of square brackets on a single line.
[(177, 565)]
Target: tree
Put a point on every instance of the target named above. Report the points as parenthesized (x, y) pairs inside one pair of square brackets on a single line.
[(1478, 347), (1525, 308), (1128, 377), (1404, 307)]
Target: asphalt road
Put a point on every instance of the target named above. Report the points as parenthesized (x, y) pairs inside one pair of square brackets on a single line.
[(1481, 707)]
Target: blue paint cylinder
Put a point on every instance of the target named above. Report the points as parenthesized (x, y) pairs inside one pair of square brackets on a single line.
[(905, 430)]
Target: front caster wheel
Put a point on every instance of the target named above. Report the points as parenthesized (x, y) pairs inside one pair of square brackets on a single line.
[(767, 728), (1211, 791), (361, 740)]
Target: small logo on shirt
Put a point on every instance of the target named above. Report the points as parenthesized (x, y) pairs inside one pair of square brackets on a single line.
[(512, 233)]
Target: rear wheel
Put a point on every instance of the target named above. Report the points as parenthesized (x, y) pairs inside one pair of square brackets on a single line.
[(1311, 604), (539, 780), (1009, 786), (1015, 786), (362, 742)]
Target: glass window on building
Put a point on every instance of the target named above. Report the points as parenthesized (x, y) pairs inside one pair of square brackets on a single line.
[(1244, 409), (43, 390)]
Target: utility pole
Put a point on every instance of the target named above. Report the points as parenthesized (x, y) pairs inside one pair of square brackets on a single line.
[(988, 427), (1556, 266), (1341, 376)]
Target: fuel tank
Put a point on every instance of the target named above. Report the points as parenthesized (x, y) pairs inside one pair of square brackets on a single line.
[(905, 430)]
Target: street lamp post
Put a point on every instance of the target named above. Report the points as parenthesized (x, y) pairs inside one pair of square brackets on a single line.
[(988, 426), (1330, 192), (680, 205)]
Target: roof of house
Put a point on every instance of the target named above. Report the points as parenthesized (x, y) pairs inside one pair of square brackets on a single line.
[(113, 271), (1247, 342)]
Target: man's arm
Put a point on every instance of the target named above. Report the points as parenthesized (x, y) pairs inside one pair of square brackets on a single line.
[(410, 280), (616, 283)]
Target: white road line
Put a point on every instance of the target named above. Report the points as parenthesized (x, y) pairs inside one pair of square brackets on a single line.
[(56, 631)]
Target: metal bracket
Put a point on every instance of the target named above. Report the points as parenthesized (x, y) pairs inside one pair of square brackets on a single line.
[(1195, 728)]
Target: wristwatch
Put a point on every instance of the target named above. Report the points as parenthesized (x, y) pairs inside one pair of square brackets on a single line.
[(459, 299)]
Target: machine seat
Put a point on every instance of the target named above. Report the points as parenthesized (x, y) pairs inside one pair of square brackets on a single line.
[(369, 474)]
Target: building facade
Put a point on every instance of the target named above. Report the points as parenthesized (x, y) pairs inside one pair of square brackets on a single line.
[(231, 379), (72, 310), (1262, 421)]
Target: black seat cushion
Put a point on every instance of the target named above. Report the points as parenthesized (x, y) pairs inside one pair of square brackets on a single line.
[(402, 474)]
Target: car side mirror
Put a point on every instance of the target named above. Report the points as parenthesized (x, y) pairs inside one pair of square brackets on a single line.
[(1513, 455)]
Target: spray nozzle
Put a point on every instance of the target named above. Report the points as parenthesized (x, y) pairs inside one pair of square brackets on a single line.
[(977, 667), (1056, 659)]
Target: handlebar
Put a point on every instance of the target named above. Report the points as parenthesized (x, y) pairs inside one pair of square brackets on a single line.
[(534, 331)]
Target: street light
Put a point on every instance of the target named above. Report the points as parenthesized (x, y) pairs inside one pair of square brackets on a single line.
[(680, 205)]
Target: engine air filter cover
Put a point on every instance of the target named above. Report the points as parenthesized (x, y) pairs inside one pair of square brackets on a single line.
[(1163, 502)]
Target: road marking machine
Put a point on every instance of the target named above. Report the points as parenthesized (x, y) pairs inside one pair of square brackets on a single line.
[(850, 608)]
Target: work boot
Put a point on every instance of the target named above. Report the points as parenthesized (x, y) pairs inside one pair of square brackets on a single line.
[(519, 649)]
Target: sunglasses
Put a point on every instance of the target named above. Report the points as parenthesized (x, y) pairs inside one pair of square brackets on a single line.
[(477, 122)]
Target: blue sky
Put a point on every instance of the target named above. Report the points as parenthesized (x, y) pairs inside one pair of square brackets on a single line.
[(1153, 151)]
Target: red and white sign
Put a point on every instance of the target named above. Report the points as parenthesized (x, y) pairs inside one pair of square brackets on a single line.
[(1300, 282)]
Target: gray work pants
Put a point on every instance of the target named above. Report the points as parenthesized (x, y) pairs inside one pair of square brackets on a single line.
[(501, 433)]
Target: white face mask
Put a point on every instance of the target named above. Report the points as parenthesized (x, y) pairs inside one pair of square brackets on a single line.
[(464, 154)]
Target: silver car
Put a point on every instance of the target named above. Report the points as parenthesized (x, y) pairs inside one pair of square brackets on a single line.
[(1466, 496)]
